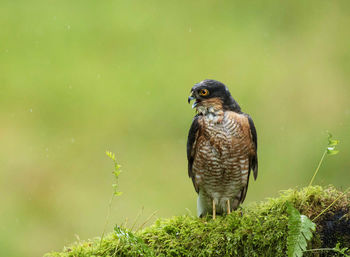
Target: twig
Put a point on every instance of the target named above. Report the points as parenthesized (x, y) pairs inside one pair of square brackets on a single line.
[(137, 218), (313, 177), (320, 249), (148, 219), (329, 206), (107, 219), (318, 167)]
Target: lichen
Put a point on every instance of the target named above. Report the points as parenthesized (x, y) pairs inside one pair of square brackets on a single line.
[(257, 230)]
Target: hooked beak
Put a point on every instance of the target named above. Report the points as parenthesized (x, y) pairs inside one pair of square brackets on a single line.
[(190, 98)]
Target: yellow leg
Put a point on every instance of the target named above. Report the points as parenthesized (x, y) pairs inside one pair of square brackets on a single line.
[(228, 207), (214, 210)]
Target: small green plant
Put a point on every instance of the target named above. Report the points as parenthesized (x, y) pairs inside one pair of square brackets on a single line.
[(116, 172), (300, 230), (343, 251), (301, 227), (330, 150)]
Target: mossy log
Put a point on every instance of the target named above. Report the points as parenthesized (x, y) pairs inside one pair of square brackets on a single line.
[(258, 230)]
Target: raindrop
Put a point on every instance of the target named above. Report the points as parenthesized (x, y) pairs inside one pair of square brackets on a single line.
[(190, 30), (30, 110), (68, 27), (72, 140)]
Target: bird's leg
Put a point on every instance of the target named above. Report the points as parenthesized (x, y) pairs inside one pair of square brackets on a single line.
[(214, 210), (228, 207)]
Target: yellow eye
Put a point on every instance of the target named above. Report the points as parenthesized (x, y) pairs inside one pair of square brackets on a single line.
[(204, 92)]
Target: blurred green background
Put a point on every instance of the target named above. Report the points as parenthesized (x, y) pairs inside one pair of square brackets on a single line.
[(78, 78)]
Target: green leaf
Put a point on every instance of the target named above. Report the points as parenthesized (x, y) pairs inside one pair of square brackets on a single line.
[(300, 231), (110, 155), (118, 193), (332, 143), (116, 173), (331, 151), (342, 251)]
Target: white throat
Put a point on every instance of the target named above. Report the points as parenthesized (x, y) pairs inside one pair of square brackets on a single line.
[(210, 113)]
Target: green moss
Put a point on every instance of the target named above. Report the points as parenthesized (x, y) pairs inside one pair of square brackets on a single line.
[(258, 230)]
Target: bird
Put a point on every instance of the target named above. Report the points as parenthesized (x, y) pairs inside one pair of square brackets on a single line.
[(221, 149)]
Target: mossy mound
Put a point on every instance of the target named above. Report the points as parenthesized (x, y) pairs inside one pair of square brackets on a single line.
[(258, 230)]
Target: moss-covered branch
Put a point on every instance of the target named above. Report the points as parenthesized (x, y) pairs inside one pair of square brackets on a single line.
[(258, 230)]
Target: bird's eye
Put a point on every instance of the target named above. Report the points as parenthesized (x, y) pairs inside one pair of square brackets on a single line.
[(204, 92)]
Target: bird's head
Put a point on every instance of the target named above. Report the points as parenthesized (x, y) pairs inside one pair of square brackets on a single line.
[(212, 94)]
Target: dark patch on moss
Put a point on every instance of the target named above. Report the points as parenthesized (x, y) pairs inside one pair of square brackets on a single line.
[(261, 231), (335, 226)]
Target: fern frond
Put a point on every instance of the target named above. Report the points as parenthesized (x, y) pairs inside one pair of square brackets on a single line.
[(300, 230)]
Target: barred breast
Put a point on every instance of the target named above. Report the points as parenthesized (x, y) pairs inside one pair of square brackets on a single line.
[(221, 163)]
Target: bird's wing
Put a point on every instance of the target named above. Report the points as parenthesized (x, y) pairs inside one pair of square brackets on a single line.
[(191, 145), (253, 162), (253, 156)]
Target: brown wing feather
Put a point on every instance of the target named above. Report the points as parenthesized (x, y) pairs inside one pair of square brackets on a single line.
[(249, 129), (191, 149)]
